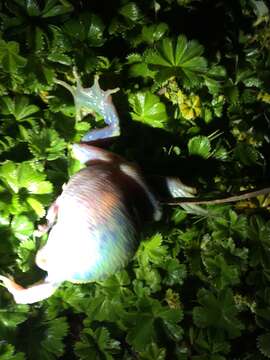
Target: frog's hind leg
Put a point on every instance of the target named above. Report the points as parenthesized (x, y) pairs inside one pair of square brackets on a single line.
[(177, 190), (169, 186), (29, 295)]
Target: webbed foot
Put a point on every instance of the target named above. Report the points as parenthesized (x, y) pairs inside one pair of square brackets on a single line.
[(95, 100)]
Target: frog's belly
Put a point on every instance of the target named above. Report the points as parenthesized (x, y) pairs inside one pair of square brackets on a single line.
[(80, 254), (99, 217)]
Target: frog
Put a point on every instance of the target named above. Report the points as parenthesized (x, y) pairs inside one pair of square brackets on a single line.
[(94, 226)]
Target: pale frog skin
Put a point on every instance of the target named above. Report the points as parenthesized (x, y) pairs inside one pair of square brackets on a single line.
[(95, 224)]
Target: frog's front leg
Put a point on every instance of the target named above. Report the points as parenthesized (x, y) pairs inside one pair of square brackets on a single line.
[(94, 99), (29, 295), (50, 219)]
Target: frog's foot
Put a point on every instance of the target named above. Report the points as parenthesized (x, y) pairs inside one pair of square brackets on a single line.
[(178, 189), (29, 295), (51, 219), (95, 100)]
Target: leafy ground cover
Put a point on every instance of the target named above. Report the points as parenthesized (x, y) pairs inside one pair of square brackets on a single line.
[(194, 102)]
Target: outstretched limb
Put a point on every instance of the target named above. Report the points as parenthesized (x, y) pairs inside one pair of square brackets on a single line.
[(244, 195), (29, 295), (50, 218), (95, 100), (178, 190), (169, 188)]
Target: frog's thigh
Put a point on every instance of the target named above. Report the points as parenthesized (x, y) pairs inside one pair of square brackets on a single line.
[(134, 173), (84, 153), (177, 189)]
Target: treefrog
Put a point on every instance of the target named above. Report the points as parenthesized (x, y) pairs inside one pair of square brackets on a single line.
[(95, 224)]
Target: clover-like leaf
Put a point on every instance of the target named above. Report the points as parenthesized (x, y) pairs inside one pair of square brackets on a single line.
[(26, 253), (142, 323), (22, 227), (55, 8), (96, 344), (200, 146), (131, 11), (217, 311), (7, 352), (222, 273), (180, 58), (247, 154), (18, 107), (10, 60), (46, 145), (153, 33), (88, 27), (263, 343), (152, 351), (23, 179), (151, 250), (43, 338), (11, 316), (147, 108)]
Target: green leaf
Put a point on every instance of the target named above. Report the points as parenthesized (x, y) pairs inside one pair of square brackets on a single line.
[(200, 146), (96, 345), (32, 8), (25, 183), (43, 339), (246, 154), (88, 27), (95, 31), (180, 58), (52, 8), (11, 316), (26, 253), (259, 235), (223, 275), (37, 206), (152, 351), (131, 11), (22, 227), (176, 272), (217, 311), (7, 352), (57, 329), (148, 109), (18, 107), (142, 324), (151, 250), (153, 33), (10, 60), (263, 343), (46, 145)]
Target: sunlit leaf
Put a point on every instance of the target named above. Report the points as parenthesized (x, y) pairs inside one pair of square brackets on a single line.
[(147, 108), (200, 146)]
